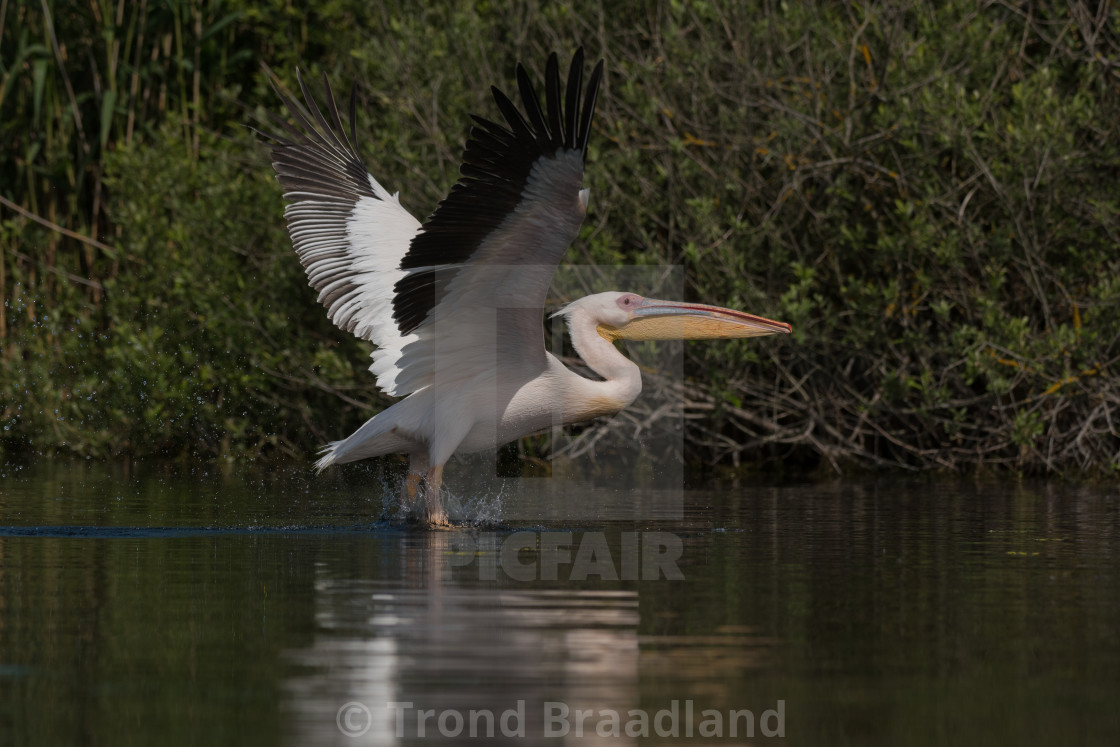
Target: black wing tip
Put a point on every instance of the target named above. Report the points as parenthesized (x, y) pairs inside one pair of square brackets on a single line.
[(310, 140), (307, 114), (498, 158), (590, 99), (559, 125)]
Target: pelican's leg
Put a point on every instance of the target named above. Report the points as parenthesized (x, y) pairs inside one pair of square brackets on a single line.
[(434, 514), (410, 491)]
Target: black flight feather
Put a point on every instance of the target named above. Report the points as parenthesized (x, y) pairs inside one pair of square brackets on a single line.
[(496, 165)]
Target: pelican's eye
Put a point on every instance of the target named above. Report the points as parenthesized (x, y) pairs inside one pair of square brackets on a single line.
[(628, 301)]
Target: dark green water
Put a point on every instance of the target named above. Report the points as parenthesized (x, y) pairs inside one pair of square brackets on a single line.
[(192, 608)]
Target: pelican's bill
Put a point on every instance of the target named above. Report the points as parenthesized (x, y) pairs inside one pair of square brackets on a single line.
[(670, 320)]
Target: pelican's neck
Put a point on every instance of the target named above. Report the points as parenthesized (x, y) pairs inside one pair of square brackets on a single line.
[(623, 380)]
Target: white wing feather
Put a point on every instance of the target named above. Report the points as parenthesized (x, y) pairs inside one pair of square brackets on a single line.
[(349, 231)]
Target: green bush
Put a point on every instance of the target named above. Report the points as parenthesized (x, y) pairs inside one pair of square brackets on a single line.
[(926, 191)]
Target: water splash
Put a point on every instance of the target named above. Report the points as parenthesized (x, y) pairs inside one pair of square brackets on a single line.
[(478, 508)]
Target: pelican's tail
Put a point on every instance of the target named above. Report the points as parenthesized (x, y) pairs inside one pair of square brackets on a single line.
[(327, 457), (379, 435)]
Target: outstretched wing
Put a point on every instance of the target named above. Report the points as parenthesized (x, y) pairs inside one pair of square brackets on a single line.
[(480, 268), (349, 232)]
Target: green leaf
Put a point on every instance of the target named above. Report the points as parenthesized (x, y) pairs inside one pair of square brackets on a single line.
[(38, 83), (108, 104)]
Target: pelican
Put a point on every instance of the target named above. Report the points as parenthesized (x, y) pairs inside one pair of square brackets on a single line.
[(455, 305)]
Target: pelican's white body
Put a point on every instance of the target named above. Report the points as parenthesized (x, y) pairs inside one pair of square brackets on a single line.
[(485, 409)]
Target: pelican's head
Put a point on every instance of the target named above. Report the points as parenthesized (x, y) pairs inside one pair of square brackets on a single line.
[(628, 316)]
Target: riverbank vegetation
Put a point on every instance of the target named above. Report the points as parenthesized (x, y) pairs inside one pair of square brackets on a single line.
[(926, 191)]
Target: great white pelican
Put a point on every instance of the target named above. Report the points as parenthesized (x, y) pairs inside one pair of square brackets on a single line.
[(455, 305)]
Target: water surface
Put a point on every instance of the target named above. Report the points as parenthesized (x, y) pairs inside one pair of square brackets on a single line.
[(181, 606)]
